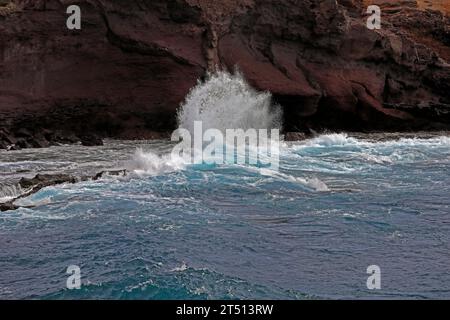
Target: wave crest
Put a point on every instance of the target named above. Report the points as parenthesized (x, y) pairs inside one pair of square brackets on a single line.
[(150, 163)]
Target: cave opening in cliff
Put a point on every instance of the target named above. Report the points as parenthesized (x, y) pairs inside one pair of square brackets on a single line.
[(295, 110)]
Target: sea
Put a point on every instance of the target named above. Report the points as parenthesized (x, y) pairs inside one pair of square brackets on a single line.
[(338, 205)]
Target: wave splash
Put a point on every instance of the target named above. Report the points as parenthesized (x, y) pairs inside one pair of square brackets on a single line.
[(151, 163), (9, 192), (223, 101), (227, 101)]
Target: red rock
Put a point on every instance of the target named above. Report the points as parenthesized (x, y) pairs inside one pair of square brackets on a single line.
[(294, 136), (126, 72)]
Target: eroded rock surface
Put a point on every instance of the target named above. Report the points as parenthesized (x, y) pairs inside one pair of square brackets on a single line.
[(125, 73)]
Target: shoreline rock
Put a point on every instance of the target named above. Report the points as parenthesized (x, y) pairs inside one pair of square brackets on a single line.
[(41, 181), (8, 206)]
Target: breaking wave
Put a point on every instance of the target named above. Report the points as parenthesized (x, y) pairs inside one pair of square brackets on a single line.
[(227, 101), (9, 192), (151, 163), (223, 101), (343, 139)]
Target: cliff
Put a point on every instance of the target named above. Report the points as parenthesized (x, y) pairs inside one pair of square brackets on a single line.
[(125, 72)]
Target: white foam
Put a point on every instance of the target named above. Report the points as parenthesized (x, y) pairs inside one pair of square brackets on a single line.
[(181, 268), (313, 183), (334, 139), (226, 101), (316, 184), (342, 139), (10, 192), (150, 163), (34, 202), (386, 152), (378, 159)]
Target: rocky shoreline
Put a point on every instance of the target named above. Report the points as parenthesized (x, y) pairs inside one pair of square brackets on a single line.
[(33, 185), (124, 75), (24, 138), (40, 181)]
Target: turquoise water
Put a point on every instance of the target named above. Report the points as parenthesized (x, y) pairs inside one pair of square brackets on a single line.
[(171, 231)]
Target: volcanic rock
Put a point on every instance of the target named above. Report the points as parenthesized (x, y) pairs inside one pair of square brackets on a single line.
[(125, 73), (91, 140)]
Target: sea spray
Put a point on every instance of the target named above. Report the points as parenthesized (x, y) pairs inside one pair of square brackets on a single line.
[(250, 147), (216, 113), (150, 163), (9, 192), (223, 102), (226, 101), (224, 118)]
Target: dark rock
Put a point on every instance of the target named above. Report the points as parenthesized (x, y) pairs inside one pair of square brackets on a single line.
[(44, 180), (117, 79), (41, 181), (38, 141), (23, 144), (3, 145), (13, 148), (23, 133), (7, 138), (91, 140), (8, 206), (295, 136), (62, 137), (100, 175)]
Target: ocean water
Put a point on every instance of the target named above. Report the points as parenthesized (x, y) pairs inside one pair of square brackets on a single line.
[(169, 230)]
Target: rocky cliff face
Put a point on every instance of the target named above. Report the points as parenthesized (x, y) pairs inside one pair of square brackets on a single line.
[(126, 71)]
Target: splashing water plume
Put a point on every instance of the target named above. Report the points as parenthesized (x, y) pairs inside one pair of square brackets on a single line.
[(227, 101), (224, 101)]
